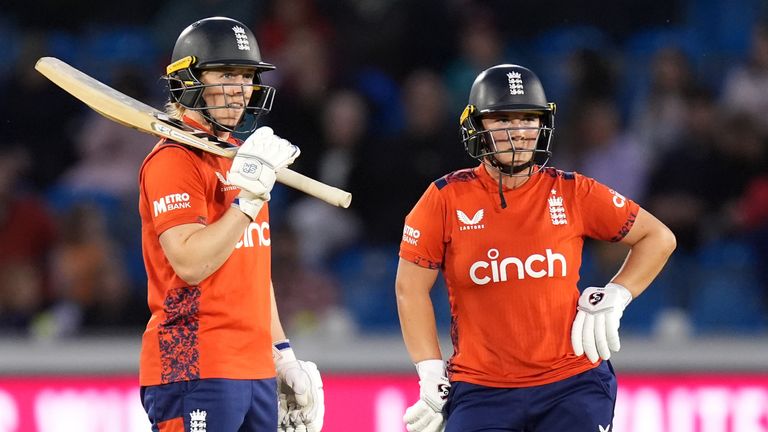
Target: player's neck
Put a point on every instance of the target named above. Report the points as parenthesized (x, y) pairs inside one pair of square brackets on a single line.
[(199, 119), (511, 182)]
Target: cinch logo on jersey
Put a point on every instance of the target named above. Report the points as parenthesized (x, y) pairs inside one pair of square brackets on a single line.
[(171, 202), (470, 224), (515, 83), (536, 266), (411, 235), (262, 234), (197, 421), (242, 38), (618, 199)]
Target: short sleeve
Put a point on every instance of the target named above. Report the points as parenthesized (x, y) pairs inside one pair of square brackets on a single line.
[(424, 229), (605, 214), (174, 189)]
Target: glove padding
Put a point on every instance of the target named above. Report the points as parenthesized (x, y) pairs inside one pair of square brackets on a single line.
[(301, 405), (426, 415), (595, 330), (261, 155)]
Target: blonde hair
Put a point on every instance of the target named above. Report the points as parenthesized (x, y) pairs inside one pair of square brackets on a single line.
[(174, 110)]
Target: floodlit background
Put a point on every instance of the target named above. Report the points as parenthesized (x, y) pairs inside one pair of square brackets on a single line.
[(665, 102)]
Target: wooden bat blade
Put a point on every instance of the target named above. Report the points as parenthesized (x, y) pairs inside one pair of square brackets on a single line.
[(127, 111)]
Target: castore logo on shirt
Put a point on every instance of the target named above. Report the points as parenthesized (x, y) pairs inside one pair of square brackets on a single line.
[(470, 224), (227, 186)]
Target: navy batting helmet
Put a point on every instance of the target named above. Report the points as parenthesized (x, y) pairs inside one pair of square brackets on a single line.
[(214, 43), (507, 88)]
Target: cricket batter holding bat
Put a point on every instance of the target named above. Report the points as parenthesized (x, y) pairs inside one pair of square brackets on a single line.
[(214, 355), (508, 236)]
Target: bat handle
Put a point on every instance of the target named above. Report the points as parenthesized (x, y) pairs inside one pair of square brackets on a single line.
[(329, 194)]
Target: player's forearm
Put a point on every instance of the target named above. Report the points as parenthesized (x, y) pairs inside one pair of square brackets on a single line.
[(199, 253), (276, 326), (417, 321), (645, 260)]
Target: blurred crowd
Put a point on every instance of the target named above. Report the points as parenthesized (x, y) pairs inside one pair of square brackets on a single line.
[(671, 114)]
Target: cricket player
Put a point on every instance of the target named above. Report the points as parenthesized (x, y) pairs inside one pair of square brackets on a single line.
[(529, 351), (214, 355)]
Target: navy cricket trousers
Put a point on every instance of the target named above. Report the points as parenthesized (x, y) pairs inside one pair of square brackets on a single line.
[(212, 405), (581, 403)]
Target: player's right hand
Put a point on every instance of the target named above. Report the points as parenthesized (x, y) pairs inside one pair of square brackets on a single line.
[(426, 415), (261, 155)]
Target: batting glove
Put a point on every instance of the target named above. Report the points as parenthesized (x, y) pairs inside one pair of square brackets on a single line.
[(426, 415), (261, 155), (595, 330), (301, 404), (249, 203)]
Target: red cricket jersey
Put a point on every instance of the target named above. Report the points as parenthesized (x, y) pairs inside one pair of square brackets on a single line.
[(220, 328), (512, 273)]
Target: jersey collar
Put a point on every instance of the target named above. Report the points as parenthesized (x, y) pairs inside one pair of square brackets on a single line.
[(492, 184), (198, 126)]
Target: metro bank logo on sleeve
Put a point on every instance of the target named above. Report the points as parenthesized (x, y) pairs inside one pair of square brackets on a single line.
[(171, 202)]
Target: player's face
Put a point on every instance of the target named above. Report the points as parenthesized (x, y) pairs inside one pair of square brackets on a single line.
[(227, 101), (514, 135)]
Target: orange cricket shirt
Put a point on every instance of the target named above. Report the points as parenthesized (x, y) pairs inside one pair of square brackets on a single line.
[(220, 328), (512, 273)]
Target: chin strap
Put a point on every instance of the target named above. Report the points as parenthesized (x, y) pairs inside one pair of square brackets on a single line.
[(501, 192), (508, 170)]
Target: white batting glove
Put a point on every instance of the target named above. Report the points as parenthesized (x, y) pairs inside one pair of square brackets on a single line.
[(301, 404), (426, 415), (261, 155), (249, 203), (595, 330)]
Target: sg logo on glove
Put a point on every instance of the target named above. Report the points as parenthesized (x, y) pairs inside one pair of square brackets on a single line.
[(596, 298), (443, 390), (250, 168)]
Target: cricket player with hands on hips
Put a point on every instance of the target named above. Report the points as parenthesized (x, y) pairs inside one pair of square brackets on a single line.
[(214, 355), (530, 351)]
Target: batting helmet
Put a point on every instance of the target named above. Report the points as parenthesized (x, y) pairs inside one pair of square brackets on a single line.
[(507, 88), (213, 43)]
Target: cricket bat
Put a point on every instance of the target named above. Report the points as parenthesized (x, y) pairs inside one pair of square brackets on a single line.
[(127, 111)]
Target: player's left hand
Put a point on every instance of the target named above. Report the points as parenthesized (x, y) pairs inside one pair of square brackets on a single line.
[(426, 415), (301, 404), (595, 330)]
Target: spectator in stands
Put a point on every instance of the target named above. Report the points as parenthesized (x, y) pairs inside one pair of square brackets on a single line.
[(89, 276), (746, 86), (417, 156), (22, 114), (288, 20), (678, 196), (308, 294), (480, 46), (658, 116), (603, 149), (109, 153), (27, 233), (752, 219), (323, 229)]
